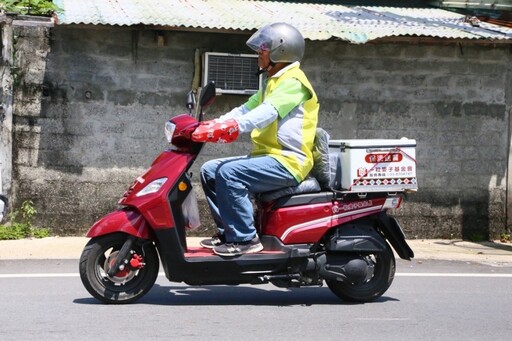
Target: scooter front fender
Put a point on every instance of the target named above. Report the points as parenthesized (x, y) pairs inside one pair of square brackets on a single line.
[(127, 221)]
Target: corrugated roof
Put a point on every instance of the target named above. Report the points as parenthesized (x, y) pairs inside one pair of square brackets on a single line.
[(356, 24)]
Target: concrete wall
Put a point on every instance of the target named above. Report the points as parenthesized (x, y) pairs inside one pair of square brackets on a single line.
[(6, 93), (92, 119), (453, 100)]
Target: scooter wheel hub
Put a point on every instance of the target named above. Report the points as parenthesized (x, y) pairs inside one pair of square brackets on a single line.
[(121, 276)]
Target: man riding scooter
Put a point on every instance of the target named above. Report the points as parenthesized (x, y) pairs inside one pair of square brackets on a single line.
[(342, 238), (282, 119)]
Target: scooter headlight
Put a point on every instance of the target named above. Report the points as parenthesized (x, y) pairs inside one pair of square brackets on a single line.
[(152, 187), (169, 130)]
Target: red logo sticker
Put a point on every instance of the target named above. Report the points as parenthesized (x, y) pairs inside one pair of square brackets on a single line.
[(361, 171), (388, 157)]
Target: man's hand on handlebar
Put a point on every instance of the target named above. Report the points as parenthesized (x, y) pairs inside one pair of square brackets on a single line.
[(215, 131)]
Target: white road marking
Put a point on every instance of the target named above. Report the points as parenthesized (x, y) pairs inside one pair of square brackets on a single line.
[(398, 274), (382, 319), (444, 274), (42, 275)]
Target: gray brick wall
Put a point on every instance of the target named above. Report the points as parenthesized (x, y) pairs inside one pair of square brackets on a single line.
[(452, 99), (94, 120)]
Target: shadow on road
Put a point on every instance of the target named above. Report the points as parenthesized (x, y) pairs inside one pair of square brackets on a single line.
[(238, 295), (497, 246), (477, 245)]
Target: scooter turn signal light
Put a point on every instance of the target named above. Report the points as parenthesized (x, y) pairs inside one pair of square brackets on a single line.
[(182, 186)]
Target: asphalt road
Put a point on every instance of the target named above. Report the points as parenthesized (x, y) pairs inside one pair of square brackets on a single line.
[(428, 300)]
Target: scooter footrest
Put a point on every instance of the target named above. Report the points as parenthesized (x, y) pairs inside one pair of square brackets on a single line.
[(204, 252)]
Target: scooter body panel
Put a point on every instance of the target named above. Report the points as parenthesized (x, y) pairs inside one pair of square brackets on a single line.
[(144, 213), (308, 223), (298, 224), (183, 264), (127, 221), (155, 207)]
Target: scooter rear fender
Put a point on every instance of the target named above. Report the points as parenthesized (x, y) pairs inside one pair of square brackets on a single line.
[(394, 233), (122, 220)]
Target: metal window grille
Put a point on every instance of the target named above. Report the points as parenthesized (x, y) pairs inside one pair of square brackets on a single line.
[(232, 73)]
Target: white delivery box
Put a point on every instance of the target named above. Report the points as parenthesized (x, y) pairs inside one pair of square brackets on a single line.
[(376, 165)]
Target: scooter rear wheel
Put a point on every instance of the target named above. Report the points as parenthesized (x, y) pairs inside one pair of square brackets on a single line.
[(125, 286), (376, 286)]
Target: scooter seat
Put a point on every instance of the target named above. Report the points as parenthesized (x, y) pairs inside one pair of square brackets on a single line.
[(322, 177), (304, 199), (309, 185)]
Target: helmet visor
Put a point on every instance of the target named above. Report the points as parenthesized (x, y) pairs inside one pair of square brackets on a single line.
[(262, 40)]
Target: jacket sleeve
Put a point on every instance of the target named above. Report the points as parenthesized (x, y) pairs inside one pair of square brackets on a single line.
[(260, 117)]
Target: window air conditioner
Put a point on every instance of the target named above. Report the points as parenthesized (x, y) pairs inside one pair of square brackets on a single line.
[(232, 73)]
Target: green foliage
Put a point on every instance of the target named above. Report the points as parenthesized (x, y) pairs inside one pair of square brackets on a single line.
[(11, 232), (478, 237), (30, 7), (21, 224)]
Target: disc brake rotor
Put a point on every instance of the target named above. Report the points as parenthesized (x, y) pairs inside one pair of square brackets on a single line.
[(122, 276)]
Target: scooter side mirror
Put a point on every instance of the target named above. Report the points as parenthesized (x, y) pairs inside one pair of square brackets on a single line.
[(191, 101), (207, 95)]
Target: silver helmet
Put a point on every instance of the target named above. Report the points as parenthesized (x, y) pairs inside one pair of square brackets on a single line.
[(285, 42)]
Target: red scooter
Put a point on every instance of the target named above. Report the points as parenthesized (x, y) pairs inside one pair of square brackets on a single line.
[(339, 237)]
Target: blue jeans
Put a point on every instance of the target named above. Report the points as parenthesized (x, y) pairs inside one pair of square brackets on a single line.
[(228, 183)]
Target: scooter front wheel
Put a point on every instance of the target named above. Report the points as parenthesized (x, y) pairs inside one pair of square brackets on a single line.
[(383, 274), (127, 285)]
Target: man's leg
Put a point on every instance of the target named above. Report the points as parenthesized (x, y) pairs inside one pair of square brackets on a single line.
[(207, 174), (235, 179), (208, 171)]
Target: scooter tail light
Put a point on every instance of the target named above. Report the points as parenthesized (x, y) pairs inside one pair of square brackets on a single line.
[(393, 202)]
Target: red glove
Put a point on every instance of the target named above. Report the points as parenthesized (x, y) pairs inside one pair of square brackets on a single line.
[(214, 131)]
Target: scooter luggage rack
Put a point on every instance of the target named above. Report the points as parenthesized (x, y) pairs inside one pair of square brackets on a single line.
[(340, 195)]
